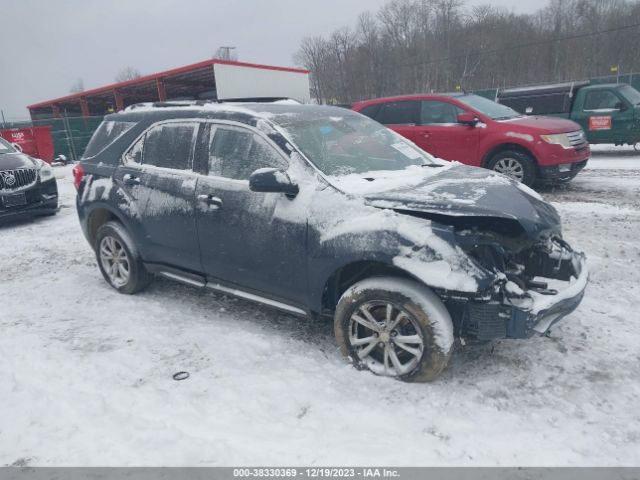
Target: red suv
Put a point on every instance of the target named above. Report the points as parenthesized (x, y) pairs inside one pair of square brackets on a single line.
[(477, 131)]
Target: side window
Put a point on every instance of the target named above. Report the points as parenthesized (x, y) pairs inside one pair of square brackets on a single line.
[(434, 112), (237, 153), (134, 155), (602, 99), (397, 113), (371, 111), (170, 145)]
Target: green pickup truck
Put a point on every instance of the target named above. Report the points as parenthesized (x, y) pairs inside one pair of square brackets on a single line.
[(608, 113)]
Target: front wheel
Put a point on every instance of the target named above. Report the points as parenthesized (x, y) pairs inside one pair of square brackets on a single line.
[(516, 165), (394, 327)]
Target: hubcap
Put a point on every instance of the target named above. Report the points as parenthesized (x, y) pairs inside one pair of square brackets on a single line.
[(511, 168), (115, 261), (386, 339)]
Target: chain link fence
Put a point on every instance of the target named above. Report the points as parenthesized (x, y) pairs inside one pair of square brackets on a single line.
[(70, 135)]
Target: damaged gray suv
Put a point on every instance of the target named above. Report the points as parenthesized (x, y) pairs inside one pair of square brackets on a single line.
[(322, 212)]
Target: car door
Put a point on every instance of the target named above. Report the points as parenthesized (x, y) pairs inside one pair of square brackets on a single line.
[(400, 116), (244, 238), (157, 173), (439, 133), (605, 117)]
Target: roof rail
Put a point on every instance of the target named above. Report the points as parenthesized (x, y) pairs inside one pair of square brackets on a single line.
[(200, 103)]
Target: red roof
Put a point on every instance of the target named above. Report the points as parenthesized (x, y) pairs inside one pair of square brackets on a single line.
[(154, 76)]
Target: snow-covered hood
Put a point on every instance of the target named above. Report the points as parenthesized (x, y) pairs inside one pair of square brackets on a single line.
[(11, 161), (461, 191)]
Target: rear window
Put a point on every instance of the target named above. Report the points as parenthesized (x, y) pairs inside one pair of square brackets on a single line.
[(105, 135), (601, 100), (398, 113)]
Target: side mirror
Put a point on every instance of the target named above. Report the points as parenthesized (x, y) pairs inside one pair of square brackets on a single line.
[(468, 119), (272, 180), (17, 147)]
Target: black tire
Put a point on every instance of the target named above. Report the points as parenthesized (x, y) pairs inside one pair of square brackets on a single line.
[(425, 314), (522, 164), (138, 278)]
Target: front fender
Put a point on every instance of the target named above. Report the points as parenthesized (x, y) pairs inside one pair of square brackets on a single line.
[(422, 249)]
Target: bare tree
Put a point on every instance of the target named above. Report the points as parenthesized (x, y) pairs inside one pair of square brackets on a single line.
[(127, 73), (312, 56), (413, 46)]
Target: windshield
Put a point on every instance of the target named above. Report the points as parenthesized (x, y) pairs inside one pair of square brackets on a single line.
[(344, 142), (630, 93), (491, 109), (6, 147)]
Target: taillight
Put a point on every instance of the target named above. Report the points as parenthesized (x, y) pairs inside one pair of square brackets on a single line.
[(78, 173)]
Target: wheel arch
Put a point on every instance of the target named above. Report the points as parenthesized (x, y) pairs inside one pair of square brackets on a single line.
[(502, 147), (348, 274), (98, 216)]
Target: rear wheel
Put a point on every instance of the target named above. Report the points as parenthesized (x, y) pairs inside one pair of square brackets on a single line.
[(118, 259), (516, 165), (394, 327)]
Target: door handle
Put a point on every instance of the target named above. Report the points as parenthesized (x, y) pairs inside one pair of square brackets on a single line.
[(210, 200), (425, 134), (130, 180)]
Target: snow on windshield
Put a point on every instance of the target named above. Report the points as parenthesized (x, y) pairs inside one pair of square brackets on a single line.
[(383, 180), (341, 142)]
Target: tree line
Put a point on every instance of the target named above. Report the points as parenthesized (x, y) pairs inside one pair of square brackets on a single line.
[(411, 46)]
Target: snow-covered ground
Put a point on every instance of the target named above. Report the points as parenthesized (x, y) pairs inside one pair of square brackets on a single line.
[(87, 373), (607, 157)]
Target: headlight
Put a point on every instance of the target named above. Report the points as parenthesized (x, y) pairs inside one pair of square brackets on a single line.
[(45, 170), (557, 139)]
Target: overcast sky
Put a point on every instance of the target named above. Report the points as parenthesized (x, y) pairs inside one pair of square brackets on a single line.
[(49, 44)]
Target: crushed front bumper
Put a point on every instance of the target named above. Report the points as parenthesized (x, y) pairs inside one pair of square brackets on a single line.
[(513, 312)]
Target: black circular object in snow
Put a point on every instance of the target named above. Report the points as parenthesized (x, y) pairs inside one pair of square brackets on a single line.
[(181, 376)]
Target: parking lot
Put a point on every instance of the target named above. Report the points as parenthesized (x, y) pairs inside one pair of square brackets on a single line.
[(87, 373)]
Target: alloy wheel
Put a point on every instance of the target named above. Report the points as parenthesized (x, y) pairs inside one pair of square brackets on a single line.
[(115, 261), (511, 168), (386, 338)]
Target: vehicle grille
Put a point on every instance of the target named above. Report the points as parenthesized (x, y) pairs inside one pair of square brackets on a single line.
[(577, 139), (16, 179)]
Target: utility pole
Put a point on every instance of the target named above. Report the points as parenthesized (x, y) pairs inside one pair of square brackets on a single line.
[(3, 120), (224, 53)]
